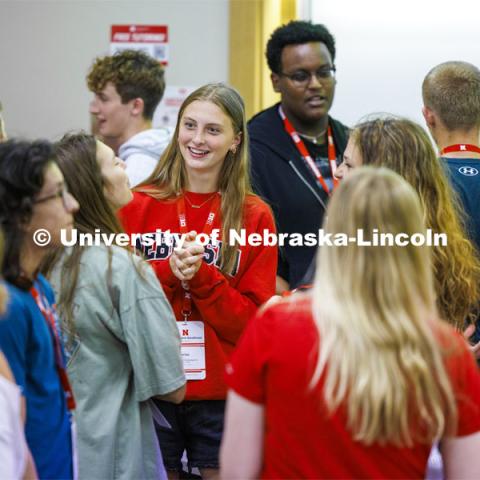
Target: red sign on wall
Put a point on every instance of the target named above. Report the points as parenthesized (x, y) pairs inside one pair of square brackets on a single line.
[(151, 39)]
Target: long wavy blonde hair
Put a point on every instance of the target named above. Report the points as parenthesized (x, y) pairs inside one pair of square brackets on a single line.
[(169, 177), (405, 147), (374, 308)]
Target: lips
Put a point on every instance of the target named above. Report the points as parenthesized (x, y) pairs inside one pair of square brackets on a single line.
[(316, 101), (198, 152), (100, 123)]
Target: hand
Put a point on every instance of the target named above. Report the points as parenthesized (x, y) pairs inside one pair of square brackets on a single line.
[(475, 348), (271, 301), (185, 261)]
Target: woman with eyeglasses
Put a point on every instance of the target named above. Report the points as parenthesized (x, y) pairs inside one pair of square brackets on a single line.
[(34, 207), (121, 338), (361, 385)]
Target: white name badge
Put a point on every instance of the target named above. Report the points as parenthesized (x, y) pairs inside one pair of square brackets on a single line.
[(192, 335)]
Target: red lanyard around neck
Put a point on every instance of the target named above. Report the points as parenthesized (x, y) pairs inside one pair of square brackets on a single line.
[(302, 149), (48, 312), (460, 147), (207, 229)]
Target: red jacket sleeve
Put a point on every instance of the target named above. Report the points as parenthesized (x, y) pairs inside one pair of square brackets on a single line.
[(228, 308)]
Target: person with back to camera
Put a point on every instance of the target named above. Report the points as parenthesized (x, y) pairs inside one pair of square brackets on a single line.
[(128, 87), (120, 333), (34, 207), (451, 97), (295, 145), (405, 147), (374, 376), (201, 186)]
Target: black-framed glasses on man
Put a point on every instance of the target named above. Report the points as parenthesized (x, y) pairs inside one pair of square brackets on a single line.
[(60, 193), (301, 78)]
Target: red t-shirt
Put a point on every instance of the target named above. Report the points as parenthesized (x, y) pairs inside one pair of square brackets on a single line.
[(273, 365), (223, 303)]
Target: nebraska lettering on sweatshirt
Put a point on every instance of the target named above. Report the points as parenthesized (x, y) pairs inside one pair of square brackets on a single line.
[(225, 303)]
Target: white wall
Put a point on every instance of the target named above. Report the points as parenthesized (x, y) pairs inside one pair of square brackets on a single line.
[(47, 47), (385, 48)]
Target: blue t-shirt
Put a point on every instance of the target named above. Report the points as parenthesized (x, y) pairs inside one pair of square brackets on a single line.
[(26, 341), (464, 176)]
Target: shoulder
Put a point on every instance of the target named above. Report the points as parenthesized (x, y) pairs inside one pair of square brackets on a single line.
[(264, 116), (263, 122), (136, 208), (150, 142), (288, 317), (256, 209), (17, 317), (96, 259), (17, 301), (340, 132)]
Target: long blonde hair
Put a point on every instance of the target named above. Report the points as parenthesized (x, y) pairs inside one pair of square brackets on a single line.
[(374, 308), (404, 146), (169, 177)]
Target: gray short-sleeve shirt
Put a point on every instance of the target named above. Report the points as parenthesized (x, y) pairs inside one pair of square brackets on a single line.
[(125, 349)]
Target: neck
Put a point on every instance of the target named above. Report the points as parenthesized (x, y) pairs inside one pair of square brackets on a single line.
[(311, 128), (446, 138), (201, 182), (133, 128), (31, 258)]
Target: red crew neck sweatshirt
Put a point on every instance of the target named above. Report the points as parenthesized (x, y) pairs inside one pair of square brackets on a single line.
[(224, 303)]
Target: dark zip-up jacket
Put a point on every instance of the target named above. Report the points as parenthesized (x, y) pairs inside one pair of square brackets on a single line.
[(281, 178)]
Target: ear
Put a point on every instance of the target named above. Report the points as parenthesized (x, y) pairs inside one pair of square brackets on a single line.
[(137, 107), (236, 142), (429, 117), (275, 78)]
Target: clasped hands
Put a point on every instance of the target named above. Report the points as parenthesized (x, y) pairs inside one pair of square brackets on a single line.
[(185, 261)]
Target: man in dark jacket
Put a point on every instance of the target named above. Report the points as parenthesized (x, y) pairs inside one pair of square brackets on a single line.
[(296, 145)]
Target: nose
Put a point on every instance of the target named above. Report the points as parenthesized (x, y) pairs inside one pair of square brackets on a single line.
[(122, 163), (71, 204), (94, 107), (198, 137), (314, 81), (339, 172)]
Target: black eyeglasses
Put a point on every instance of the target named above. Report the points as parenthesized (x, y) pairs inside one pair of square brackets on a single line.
[(302, 78), (61, 193)]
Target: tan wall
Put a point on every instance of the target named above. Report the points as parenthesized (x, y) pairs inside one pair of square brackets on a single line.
[(251, 24)]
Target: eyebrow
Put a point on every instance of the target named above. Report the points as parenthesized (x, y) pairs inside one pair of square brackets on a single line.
[(208, 124), (325, 66)]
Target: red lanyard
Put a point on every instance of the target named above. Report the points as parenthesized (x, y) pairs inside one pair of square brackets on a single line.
[(302, 149), (48, 313), (460, 147), (207, 229)]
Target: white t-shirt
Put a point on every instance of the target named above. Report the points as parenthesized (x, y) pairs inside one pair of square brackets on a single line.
[(13, 448)]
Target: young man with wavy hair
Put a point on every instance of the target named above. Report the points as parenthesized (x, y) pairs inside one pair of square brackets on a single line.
[(128, 87)]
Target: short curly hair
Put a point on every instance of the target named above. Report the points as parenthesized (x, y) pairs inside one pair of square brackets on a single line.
[(134, 74), (22, 175), (296, 32)]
